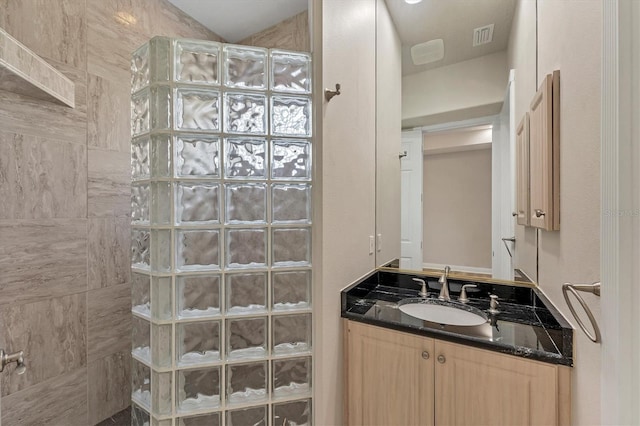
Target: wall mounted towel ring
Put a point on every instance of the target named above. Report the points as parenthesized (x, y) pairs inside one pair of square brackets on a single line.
[(589, 288)]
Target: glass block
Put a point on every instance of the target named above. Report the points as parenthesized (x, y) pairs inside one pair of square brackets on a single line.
[(293, 413), (253, 416), (290, 116), (246, 293), (140, 68), (139, 417), (291, 247), (291, 334), (291, 160), (246, 248), (291, 377), (159, 48), (197, 109), (291, 203), (161, 345), (141, 339), (140, 115), (247, 383), (198, 389), (197, 342), (290, 72), (160, 107), (141, 294), (198, 250), (160, 155), (197, 62), (160, 250), (246, 203), (197, 203), (160, 203), (197, 156), (245, 67), (198, 296), (161, 298), (212, 419), (140, 203), (161, 393), (140, 248), (140, 161), (163, 422), (247, 338), (245, 113), (141, 384), (245, 158), (291, 290)]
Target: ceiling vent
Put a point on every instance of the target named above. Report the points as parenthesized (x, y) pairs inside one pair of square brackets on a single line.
[(430, 51), (483, 35)]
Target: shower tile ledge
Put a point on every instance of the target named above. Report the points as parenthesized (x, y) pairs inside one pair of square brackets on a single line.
[(25, 73)]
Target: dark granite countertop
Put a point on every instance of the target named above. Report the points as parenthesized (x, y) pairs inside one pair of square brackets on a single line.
[(527, 325)]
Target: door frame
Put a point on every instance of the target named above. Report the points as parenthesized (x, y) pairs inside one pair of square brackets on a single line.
[(620, 216)]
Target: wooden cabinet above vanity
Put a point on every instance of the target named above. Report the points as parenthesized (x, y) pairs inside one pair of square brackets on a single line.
[(396, 378)]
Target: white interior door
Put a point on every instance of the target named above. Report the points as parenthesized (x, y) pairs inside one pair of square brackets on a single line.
[(503, 189), (411, 200)]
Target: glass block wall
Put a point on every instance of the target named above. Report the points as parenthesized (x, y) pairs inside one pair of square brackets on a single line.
[(221, 235)]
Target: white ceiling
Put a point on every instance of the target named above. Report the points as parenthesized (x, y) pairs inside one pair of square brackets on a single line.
[(451, 20), (454, 22), (234, 20)]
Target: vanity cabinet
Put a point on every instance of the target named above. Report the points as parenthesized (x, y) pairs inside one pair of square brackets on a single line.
[(395, 378)]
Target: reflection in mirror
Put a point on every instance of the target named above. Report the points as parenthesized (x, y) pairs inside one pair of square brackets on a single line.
[(458, 115)]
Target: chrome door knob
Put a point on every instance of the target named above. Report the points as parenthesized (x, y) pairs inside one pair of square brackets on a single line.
[(441, 359), (425, 354)]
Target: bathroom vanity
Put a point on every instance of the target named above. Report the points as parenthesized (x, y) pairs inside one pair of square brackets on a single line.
[(402, 370)]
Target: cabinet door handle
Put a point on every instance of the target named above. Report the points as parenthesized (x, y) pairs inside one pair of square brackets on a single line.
[(425, 354), (441, 359)]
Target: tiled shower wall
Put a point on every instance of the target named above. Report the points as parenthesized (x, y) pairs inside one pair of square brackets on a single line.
[(65, 206)]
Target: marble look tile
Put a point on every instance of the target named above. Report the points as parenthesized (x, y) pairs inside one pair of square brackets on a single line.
[(41, 178), (52, 334), (109, 321), (290, 34), (122, 418), (108, 105), (42, 259), (109, 386), (173, 22), (52, 29), (109, 242), (61, 400), (109, 188)]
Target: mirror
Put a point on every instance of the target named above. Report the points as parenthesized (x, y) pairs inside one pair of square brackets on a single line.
[(465, 111)]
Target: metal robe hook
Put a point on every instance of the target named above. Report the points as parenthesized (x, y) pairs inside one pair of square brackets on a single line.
[(329, 94)]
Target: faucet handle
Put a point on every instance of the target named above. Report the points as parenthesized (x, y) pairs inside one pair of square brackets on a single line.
[(493, 304), (463, 293), (423, 290), (17, 357)]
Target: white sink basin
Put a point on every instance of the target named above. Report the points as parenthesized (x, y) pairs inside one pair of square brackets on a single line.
[(444, 313)]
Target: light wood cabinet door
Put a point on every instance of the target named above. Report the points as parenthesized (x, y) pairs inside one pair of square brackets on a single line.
[(389, 377), (522, 171), (544, 154), (477, 387)]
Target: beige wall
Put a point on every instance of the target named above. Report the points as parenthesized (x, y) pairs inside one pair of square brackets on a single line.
[(468, 89), (290, 34), (388, 135), (457, 208), (571, 254), (65, 241)]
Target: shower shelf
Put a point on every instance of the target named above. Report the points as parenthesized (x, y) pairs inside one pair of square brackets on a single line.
[(25, 73)]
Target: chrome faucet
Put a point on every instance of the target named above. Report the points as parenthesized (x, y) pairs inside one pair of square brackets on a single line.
[(444, 291)]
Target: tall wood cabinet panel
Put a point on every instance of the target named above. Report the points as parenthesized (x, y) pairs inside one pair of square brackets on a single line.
[(389, 377), (522, 171), (544, 154)]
